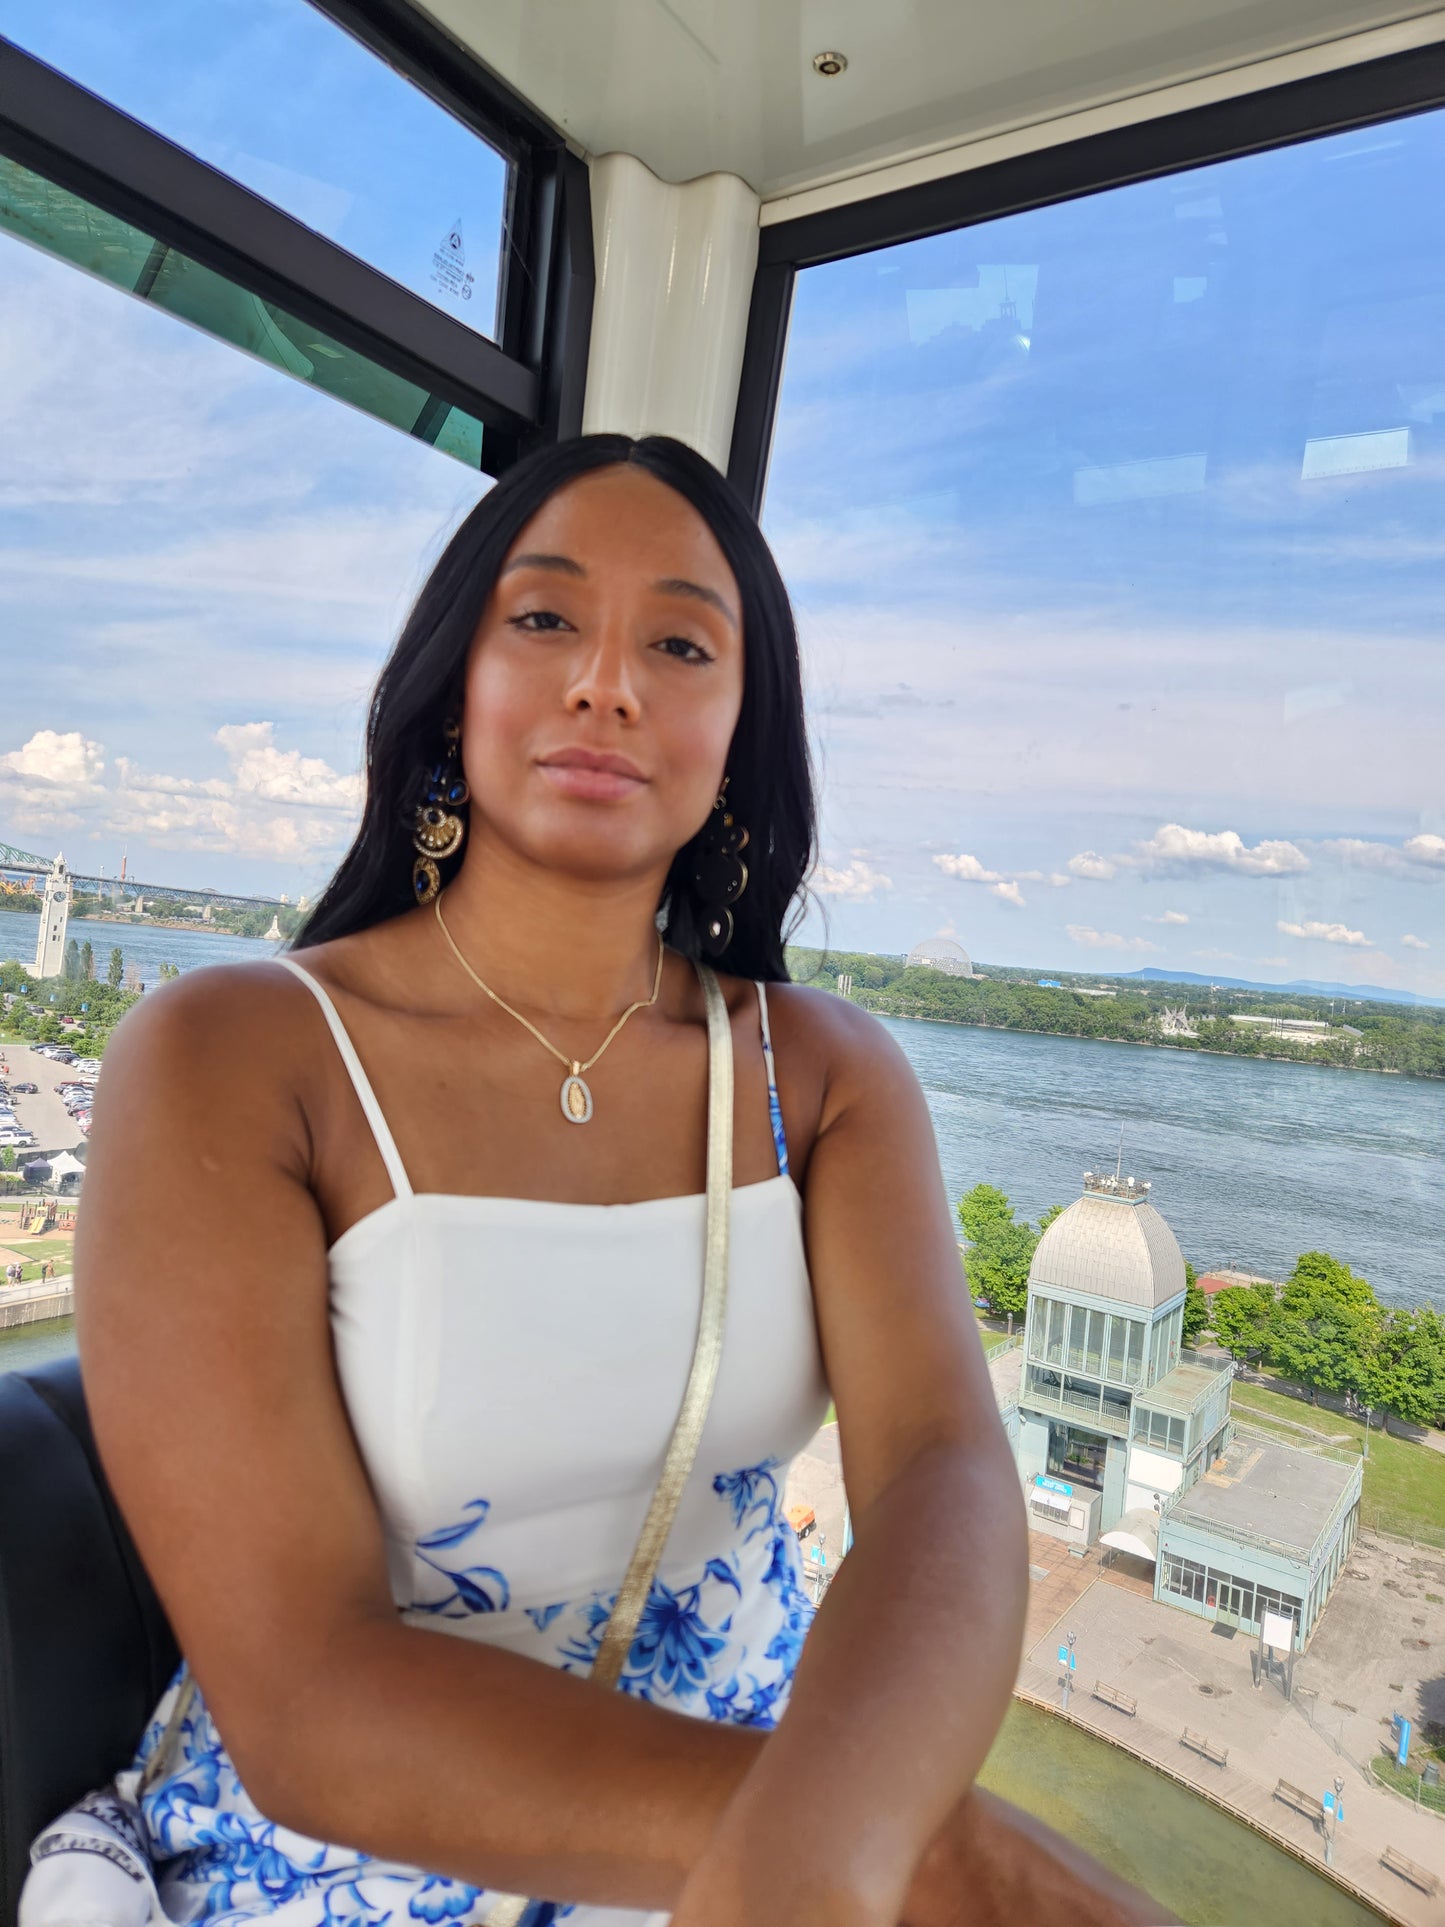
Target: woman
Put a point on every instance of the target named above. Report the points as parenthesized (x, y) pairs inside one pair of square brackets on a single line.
[(425, 1380)]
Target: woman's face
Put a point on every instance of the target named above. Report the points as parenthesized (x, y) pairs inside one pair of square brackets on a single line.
[(605, 680)]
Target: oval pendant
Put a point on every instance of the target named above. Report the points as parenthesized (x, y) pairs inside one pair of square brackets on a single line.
[(576, 1100)]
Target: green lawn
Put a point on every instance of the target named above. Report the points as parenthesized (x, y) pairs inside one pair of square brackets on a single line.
[(1405, 1780), (1318, 1418), (1404, 1486), (33, 1250)]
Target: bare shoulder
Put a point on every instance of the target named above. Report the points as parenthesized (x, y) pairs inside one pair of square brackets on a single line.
[(230, 1030), (848, 1049)]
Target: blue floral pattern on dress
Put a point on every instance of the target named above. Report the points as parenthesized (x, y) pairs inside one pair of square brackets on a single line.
[(722, 1643), (474, 1589)]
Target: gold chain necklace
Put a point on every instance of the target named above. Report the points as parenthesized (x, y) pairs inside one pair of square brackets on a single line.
[(575, 1095)]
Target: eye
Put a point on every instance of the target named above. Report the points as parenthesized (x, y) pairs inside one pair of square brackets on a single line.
[(538, 622), (684, 648)]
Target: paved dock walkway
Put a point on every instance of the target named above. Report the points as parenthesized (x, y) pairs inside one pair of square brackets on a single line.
[(1380, 1645)]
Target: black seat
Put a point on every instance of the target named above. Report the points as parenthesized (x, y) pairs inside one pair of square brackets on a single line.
[(85, 1649)]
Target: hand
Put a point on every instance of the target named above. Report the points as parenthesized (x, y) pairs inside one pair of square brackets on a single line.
[(993, 1865)]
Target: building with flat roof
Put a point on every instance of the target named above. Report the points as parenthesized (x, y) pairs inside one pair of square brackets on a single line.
[(1124, 1439)]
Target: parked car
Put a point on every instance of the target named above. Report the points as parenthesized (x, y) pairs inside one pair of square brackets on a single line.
[(25, 1090)]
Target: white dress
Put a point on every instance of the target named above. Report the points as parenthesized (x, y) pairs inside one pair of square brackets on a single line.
[(512, 1371)]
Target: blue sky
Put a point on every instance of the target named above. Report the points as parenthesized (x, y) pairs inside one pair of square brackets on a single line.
[(1114, 529), (1115, 533)]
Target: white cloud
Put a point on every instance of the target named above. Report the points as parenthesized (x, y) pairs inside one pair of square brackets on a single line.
[(1276, 963), (1003, 884), (1425, 852), (1089, 864), (855, 883), (1328, 933), (1173, 847), (275, 803), (1091, 939), (46, 784), (1169, 916), (1414, 943), (259, 768)]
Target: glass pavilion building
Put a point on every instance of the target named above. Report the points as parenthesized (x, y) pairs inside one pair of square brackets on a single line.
[(1123, 1438)]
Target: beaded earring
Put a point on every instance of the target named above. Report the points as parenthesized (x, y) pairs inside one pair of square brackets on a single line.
[(719, 874), (437, 831)]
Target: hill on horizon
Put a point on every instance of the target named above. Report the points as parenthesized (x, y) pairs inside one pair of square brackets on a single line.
[(1363, 993)]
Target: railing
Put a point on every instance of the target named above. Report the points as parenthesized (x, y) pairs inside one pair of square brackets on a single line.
[(1069, 1404)]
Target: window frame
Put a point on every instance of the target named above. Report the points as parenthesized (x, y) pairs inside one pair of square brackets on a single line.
[(1360, 94), (526, 387)]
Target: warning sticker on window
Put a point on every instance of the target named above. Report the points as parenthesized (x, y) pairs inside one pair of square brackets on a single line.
[(449, 272)]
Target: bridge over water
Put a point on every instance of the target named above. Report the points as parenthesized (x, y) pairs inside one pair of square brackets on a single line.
[(23, 863)]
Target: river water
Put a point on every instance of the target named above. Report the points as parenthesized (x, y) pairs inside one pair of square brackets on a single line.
[(145, 946), (1209, 1869), (1251, 1162)]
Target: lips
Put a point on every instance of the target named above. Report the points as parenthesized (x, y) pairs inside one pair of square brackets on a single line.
[(591, 774)]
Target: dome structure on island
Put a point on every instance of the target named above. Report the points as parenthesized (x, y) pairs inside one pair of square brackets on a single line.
[(1110, 1243), (941, 953)]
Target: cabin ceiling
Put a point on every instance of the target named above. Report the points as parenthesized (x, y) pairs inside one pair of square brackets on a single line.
[(693, 86)]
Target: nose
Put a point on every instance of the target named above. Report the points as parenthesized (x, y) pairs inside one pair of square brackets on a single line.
[(602, 682)]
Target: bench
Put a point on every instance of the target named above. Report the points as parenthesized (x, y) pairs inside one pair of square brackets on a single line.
[(1198, 1743), (1418, 1876), (1111, 1696), (1302, 1802)]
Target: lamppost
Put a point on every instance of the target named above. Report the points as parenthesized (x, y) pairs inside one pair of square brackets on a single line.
[(1066, 1661), (1334, 1813)]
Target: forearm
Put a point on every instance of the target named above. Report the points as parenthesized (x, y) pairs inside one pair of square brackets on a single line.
[(465, 1760), (903, 1683)]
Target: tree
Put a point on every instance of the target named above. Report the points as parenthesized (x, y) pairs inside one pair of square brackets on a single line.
[(166, 971), (1406, 1372), (1000, 1250), (1196, 1306), (70, 967), (1327, 1326), (87, 961), (7, 1158), (117, 969), (985, 1205), (1243, 1317)]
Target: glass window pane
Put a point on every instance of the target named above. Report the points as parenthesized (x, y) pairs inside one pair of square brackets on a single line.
[(1056, 1332), (1094, 516), (1118, 1340), (1095, 1345), (1136, 1349), (35, 210), (277, 96), (1078, 1332)]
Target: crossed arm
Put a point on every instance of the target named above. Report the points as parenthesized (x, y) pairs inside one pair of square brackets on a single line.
[(223, 1431)]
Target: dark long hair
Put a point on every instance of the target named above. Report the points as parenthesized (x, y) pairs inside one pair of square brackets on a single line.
[(770, 788)]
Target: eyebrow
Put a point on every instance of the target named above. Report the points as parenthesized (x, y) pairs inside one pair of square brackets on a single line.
[(666, 585)]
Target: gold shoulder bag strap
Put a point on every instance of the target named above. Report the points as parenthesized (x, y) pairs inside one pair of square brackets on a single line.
[(508, 1910)]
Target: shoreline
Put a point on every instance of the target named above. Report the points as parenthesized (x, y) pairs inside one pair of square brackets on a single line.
[(1148, 1043)]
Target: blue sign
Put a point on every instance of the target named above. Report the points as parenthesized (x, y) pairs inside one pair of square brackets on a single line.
[(1402, 1754), (1066, 1658), (1053, 1485), (1327, 1801)]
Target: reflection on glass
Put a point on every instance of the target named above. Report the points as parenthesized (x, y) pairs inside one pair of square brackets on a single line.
[(50, 217), (1114, 529), (277, 96)]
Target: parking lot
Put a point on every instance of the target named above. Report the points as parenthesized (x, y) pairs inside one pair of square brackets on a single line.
[(44, 1114)]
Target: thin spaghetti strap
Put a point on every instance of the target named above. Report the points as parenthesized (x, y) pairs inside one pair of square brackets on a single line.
[(775, 1109), (360, 1083)]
